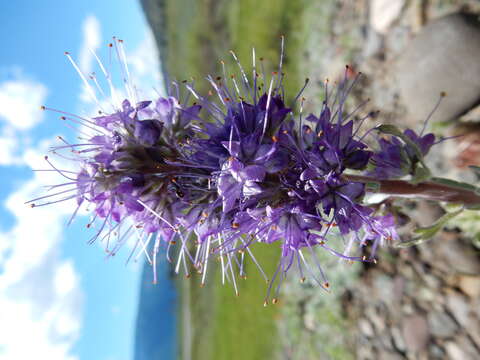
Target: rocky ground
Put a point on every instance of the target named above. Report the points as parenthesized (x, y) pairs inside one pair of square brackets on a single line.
[(422, 302)]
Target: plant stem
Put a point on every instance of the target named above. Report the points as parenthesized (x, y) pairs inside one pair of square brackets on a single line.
[(427, 190)]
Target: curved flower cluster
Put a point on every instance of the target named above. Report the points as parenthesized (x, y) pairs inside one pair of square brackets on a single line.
[(216, 177)]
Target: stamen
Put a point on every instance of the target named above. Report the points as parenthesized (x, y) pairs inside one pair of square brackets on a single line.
[(443, 94), (206, 260), (89, 89)]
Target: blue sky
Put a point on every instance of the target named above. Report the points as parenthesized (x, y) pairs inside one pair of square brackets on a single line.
[(59, 297)]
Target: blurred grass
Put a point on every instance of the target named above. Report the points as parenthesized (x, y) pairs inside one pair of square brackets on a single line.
[(201, 32), (218, 325), (243, 328)]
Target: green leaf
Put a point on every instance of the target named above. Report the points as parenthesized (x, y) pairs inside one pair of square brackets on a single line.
[(476, 240), (372, 186), (389, 129), (422, 234), (454, 184), (421, 174)]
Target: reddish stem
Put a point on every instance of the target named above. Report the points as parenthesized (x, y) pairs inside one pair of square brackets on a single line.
[(426, 190)]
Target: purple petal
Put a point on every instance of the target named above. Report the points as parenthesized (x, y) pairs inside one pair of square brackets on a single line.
[(251, 188), (277, 162), (264, 152), (143, 104), (126, 106), (132, 204), (235, 167), (345, 134), (319, 186), (230, 190), (309, 174), (148, 131), (426, 143), (233, 147), (164, 106), (352, 190), (253, 173)]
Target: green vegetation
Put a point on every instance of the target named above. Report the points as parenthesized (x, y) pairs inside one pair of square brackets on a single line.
[(216, 324), (243, 328), (201, 32)]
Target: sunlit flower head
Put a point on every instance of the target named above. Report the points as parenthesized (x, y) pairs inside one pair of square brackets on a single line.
[(213, 174)]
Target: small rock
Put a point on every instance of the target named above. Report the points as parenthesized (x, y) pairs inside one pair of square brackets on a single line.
[(398, 288), (472, 116), (397, 338), (396, 40), (364, 353), (473, 329), (376, 318), (373, 43), (458, 307), (366, 327), (407, 307), (407, 272), (432, 282), (386, 341), (443, 57), (415, 332), (384, 288), (384, 12), (456, 256), (441, 325), (436, 352), (426, 295), (470, 285), (309, 321), (476, 306), (461, 349), (388, 355), (427, 213), (454, 351)]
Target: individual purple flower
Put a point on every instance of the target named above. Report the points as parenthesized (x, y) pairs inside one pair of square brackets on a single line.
[(379, 230), (335, 147), (398, 157)]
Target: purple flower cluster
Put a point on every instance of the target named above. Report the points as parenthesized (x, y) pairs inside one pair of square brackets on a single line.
[(216, 177)]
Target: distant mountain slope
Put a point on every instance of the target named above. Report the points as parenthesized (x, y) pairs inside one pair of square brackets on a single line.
[(155, 11)]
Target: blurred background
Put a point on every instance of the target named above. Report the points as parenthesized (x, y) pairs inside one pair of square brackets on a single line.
[(61, 298)]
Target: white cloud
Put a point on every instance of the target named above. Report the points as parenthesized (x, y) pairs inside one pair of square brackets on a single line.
[(20, 101), (91, 40), (40, 295), (145, 66), (9, 151)]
